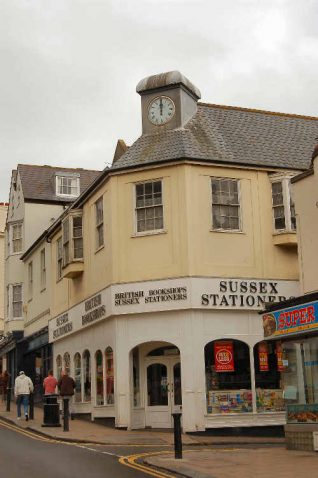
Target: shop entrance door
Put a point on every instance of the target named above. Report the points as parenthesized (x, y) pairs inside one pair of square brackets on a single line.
[(163, 390)]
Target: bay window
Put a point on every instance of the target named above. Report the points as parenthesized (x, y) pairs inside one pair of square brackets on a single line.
[(225, 204), (149, 206), (284, 219), (72, 235)]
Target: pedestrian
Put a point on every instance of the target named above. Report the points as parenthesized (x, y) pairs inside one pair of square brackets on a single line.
[(5, 383), (23, 386), (49, 383), (66, 386)]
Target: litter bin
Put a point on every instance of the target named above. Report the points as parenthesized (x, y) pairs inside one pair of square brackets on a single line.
[(51, 411)]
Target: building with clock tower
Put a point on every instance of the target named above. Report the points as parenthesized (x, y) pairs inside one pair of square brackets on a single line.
[(183, 240)]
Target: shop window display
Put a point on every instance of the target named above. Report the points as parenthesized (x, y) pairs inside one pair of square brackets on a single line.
[(67, 363), (228, 380), (59, 366), (99, 378), (110, 397), (78, 377), (268, 367), (87, 376)]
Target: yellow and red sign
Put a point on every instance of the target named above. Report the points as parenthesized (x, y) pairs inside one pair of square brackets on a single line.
[(224, 356), (263, 357)]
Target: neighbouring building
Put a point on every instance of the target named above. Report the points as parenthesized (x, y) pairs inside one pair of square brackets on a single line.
[(293, 324), (38, 196), (3, 215)]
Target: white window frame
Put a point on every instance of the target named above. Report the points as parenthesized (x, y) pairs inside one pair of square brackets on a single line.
[(236, 205), (11, 302), (43, 268), (286, 204), (148, 207), (59, 259), (30, 279), (13, 240), (61, 182), (69, 238), (99, 224)]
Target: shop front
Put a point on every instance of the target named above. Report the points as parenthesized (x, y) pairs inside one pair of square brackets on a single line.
[(139, 353), (294, 326)]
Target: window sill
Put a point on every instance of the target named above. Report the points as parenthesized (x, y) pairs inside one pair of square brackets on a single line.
[(100, 248), (149, 233), (227, 231), (285, 239)]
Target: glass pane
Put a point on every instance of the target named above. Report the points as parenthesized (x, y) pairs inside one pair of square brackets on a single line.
[(157, 385), (110, 397), (78, 378), (99, 378), (177, 384), (58, 366), (87, 376), (67, 362)]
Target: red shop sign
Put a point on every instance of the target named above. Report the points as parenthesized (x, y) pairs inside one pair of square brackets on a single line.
[(279, 356), (263, 357), (224, 357)]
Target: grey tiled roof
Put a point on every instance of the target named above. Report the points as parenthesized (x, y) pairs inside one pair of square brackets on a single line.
[(38, 182), (234, 135)]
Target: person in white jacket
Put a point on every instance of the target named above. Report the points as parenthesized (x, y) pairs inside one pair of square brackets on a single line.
[(23, 386)]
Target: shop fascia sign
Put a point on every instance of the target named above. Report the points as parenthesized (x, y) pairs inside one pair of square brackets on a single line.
[(169, 295), (301, 318)]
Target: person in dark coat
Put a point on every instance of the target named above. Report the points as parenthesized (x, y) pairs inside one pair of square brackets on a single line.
[(66, 386)]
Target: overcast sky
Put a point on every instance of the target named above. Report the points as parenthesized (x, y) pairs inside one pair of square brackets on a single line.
[(69, 68)]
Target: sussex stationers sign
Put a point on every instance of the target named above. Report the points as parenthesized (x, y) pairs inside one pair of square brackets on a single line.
[(243, 294), (169, 295)]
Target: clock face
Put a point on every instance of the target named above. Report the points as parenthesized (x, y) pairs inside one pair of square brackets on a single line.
[(161, 110)]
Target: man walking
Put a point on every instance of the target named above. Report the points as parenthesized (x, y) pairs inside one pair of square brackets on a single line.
[(66, 387), (23, 386)]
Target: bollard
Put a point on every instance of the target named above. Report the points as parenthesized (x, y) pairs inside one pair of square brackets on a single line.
[(66, 427), (177, 435), (31, 406), (8, 398)]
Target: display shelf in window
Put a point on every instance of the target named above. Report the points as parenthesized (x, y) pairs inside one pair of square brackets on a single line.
[(229, 401)]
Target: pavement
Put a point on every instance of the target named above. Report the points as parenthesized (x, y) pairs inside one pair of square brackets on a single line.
[(203, 455)]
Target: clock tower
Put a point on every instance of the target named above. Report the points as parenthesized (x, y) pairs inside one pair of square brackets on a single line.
[(168, 101)]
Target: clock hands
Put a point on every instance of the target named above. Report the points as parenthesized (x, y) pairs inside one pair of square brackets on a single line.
[(161, 106)]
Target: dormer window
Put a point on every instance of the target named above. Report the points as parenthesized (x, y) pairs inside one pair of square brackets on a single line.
[(67, 185)]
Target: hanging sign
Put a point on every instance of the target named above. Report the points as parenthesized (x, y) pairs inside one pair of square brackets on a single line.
[(279, 356), (224, 357), (263, 357)]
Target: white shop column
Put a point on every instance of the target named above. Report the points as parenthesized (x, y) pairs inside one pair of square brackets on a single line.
[(122, 387)]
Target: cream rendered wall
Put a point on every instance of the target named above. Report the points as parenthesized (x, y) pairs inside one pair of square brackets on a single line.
[(3, 215), (38, 218), (187, 247), (37, 305), (306, 200)]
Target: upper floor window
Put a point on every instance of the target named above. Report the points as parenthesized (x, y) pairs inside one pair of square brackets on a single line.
[(59, 259), (30, 279), (72, 238), (225, 204), (283, 205), (149, 206), (99, 214), (14, 304), (15, 238), (67, 185), (43, 269)]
